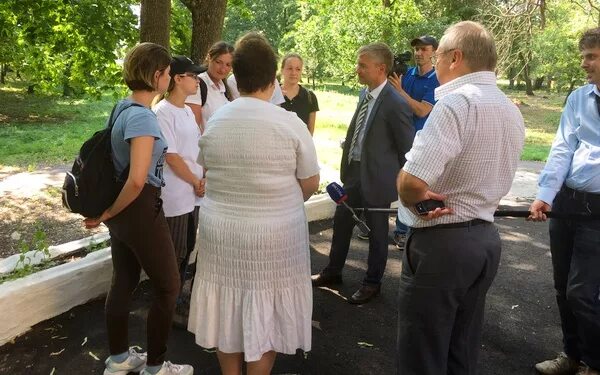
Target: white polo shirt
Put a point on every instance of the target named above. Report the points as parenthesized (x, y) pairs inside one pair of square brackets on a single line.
[(215, 97), (276, 98)]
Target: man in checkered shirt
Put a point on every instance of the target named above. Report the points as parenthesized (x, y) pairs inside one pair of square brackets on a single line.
[(466, 156)]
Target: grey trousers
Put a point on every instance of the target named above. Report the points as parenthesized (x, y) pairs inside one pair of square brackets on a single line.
[(446, 273)]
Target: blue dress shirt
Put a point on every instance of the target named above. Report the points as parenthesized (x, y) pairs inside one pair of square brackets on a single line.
[(575, 155)]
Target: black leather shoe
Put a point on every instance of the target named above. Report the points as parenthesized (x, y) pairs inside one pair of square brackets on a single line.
[(322, 279), (364, 294)]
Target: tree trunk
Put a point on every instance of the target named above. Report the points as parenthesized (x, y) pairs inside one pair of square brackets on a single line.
[(155, 22), (542, 5), (526, 75), (538, 83), (571, 87), (511, 78), (207, 24), (2, 73)]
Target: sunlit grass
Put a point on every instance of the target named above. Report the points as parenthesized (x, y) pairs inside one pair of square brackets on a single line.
[(41, 130)]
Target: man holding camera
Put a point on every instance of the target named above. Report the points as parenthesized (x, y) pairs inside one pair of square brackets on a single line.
[(465, 158), (417, 87), (378, 137)]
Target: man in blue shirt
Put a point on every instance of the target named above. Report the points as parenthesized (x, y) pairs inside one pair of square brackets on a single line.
[(570, 184), (417, 88)]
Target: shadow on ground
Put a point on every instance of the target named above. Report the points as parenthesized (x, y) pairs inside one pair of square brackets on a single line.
[(521, 324)]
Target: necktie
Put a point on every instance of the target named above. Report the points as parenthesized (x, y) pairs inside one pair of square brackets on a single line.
[(360, 122)]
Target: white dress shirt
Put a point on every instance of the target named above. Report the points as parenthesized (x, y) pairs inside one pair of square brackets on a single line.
[(468, 149)]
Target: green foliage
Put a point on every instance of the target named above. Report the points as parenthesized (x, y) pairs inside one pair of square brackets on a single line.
[(181, 29), (273, 17), (329, 32), (555, 47), (46, 130), (69, 46)]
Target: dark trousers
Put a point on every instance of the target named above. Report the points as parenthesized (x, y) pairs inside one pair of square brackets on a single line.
[(575, 248), (446, 273), (343, 224), (140, 239), (183, 230)]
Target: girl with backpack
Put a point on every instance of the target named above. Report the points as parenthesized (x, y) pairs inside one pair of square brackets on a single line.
[(139, 233)]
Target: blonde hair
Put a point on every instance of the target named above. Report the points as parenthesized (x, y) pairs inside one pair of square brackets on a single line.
[(142, 62), (379, 52), (476, 43)]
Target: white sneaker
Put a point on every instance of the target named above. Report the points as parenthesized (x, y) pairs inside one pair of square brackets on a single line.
[(134, 363), (169, 368)]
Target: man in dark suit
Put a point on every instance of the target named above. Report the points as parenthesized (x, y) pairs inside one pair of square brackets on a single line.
[(379, 135)]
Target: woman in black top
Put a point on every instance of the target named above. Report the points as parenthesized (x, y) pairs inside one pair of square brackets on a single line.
[(298, 99)]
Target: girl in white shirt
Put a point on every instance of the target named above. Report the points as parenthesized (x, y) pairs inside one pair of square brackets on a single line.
[(218, 62), (184, 180)]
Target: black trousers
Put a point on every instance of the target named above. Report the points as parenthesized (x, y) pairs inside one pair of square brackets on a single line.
[(343, 224), (446, 273), (575, 248), (140, 239)]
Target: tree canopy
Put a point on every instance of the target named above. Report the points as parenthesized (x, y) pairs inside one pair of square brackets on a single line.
[(74, 46)]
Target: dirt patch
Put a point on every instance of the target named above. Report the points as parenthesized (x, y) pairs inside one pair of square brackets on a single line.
[(41, 211)]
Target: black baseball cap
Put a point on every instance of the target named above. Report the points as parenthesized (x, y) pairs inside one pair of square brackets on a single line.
[(427, 40), (182, 64)]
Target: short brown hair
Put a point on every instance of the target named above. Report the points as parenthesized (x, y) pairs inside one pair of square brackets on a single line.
[(590, 39), (140, 64), (254, 63), (379, 52)]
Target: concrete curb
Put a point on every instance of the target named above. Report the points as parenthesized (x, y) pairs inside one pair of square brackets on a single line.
[(11, 263), (48, 293)]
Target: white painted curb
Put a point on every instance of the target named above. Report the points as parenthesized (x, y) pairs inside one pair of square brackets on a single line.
[(11, 263), (46, 294)]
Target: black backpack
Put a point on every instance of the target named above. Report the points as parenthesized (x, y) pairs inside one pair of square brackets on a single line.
[(92, 185)]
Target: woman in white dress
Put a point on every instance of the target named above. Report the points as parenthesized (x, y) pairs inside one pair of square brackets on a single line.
[(252, 295)]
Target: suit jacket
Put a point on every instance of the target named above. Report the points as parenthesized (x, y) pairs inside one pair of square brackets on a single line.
[(388, 136)]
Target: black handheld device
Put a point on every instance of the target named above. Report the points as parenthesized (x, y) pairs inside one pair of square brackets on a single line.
[(423, 207)]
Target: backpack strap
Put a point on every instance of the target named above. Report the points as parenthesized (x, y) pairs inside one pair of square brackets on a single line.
[(112, 119), (111, 122), (203, 91)]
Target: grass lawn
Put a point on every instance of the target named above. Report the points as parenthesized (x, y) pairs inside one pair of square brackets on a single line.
[(41, 131)]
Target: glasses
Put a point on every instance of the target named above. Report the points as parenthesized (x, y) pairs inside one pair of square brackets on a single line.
[(435, 57), (191, 75)]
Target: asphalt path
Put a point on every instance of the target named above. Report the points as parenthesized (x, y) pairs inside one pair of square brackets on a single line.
[(521, 322)]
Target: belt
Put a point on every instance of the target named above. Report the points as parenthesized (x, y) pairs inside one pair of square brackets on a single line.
[(463, 224), (582, 196)]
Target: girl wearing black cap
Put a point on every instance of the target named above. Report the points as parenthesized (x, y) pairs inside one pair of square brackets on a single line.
[(184, 182)]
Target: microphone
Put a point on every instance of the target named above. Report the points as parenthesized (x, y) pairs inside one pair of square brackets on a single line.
[(339, 196)]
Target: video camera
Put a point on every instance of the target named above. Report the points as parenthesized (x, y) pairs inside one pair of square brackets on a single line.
[(401, 63)]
